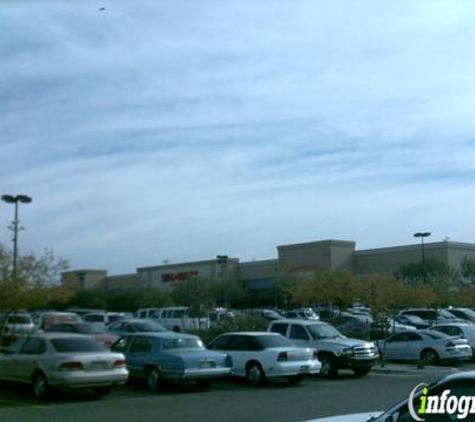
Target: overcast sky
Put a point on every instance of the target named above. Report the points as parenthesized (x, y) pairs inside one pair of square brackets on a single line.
[(180, 130)]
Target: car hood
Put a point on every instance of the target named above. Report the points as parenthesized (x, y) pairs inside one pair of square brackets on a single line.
[(354, 417), (342, 341)]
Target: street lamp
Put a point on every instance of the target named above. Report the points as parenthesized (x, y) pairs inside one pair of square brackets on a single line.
[(11, 199), (422, 235)]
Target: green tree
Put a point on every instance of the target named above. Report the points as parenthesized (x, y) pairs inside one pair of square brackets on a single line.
[(36, 276)]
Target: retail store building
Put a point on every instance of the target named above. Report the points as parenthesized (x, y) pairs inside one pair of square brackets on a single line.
[(301, 260)]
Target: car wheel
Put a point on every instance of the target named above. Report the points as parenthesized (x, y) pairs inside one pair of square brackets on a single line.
[(329, 368), (40, 386), (102, 391), (295, 379), (255, 374), (154, 378), (361, 371), (429, 357)]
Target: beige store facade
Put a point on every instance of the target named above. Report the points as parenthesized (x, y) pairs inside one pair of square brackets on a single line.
[(301, 260)]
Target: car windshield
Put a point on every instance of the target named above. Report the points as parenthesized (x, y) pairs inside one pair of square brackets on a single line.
[(446, 314), (149, 327), (268, 341), (182, 343), (95, 318), (414, 318), (321, 331), (75, 344)]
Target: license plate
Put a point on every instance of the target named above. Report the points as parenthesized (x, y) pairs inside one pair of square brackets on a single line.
[(207, 364), (305, 369), (97, 366)]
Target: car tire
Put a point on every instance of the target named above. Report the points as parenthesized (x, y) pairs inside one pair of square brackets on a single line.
[(295, 379), (102, 391), (361, 372), (153, 377), (254, 373), (40, 386), (329, 368), (429, 357)]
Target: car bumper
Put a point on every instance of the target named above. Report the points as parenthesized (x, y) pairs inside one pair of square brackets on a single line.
[(196, 374), (285, 369), (358, 363), (457, 355), (73, 380)]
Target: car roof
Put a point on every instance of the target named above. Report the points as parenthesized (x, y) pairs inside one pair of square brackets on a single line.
[(163, 334), (51, 336), (465, 375), (251, 333), (300, 321), (454, 324)]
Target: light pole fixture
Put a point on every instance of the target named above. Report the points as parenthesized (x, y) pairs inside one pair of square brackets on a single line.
[(15, 199), (422, 235)]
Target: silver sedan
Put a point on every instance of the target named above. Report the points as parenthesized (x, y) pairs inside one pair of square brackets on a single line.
[(427, 346), (50, 361)]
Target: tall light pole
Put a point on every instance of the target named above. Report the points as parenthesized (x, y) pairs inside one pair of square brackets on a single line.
[(15, 227), (422, 235)]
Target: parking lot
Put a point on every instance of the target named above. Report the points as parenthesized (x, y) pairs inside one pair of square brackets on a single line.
[(229, 400)]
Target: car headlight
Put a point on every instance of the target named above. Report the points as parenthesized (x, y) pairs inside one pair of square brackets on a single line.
[(349, 352)]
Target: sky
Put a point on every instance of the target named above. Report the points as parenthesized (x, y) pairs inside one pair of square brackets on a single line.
[(157, 131)]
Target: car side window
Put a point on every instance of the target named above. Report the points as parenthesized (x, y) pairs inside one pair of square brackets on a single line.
[(142, 345), (398, 337), (122, 344), (280, 328), (221, 343), (298, 333), (33, 346), (239, 343), (413, 337)]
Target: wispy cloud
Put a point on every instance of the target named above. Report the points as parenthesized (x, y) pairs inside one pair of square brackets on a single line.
[(158, 130)]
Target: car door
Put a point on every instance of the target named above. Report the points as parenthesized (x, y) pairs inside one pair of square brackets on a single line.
[(239, 349), (9, 358), (299, 335), (395, 348), (139, 354), (30, 358)]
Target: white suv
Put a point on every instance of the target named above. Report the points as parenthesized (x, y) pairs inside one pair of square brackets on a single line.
[(334, 350)]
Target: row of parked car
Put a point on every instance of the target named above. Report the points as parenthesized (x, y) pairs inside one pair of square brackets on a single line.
[(64, 351)]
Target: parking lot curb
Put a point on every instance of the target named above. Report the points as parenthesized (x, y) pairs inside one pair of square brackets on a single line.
[(430, 370)]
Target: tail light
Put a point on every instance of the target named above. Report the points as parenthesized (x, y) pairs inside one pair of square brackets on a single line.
[(283, 357), (71, 366), (119, 363)]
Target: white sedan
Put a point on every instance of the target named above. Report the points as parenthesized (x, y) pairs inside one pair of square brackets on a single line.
[(258, 356), (428, 346), (62, 361)]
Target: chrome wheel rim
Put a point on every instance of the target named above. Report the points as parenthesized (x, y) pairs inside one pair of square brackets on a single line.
[(153, 379), (39, 386), (254, 374)]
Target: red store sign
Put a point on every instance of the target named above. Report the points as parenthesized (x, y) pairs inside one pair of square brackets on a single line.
[(185, 275)]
